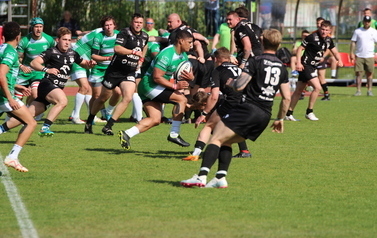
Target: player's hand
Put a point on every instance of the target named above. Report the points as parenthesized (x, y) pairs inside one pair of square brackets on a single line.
[(53, 71), (278, 126), (233, 60), (189, 76), (25, 69), (182, 85), (26, 91), (340, 63), (299, 67), (14, 104), (199, 120)]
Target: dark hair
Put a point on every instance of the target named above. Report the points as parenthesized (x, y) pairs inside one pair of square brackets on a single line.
[(304, 31), (105, 19), (326, 23), (242, 12), (137, 15), (232, 13), (182, 35), (63, 31), (11, 30), (367, 9), (320, 19)]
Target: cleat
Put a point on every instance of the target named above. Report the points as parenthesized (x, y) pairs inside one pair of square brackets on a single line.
[(311, 117), (294, 73), (191, 158), (195, 181), (77, 121), (107, 131), (88, 129), (98, 120), (217, 183), (369, 93), (124, 140), (290, 118), (45, 131), (242, 155), (70, 118), (14, 163), (178, 140), (358, 93), (325, 98)]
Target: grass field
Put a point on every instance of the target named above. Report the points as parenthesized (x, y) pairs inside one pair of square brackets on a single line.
[(318, 179)]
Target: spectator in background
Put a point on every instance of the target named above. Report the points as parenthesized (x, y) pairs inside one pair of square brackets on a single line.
[(278, 13), (364, 40), (373, 23), (265, 9), (212, 16), (70, 23), (222, 37), (149, 28)]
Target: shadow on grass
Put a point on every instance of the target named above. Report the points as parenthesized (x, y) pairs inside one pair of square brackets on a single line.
[(12, 142), (172, 183), (162, 154), (110, 151)]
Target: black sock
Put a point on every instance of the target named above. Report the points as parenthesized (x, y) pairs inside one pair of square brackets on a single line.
[(243, 147), (209, 158), (5, 127), (47, 122), (309, 111), (90, 119), (289, 112), (200, 144), (225, 157), (325, 88), (110, 123)]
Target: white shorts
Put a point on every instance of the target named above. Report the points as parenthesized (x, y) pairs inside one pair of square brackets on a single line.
[(5, 107)]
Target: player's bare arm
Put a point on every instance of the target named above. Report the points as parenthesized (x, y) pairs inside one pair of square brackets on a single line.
[(239, 83), (37, 64)]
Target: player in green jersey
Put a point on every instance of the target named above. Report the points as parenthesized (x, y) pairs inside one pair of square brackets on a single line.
[(156, 88), (9, 103), (28, 49)]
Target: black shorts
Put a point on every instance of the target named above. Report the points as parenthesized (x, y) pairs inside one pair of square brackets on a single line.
[(224, 107), (44, 88), (309, 72), (113, 79), (247, 120), (322, 65), (163, 97)]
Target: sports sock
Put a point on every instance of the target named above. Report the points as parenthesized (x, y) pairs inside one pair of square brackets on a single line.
[(333, 73), (175, 128), (308, 111), (209, 157), (137, 111), (79, 100), (289, 112), (110, 123), (4, 128), (325, 88), (110, 109), (221, 174), (13, 154), (199, 146), (225, 157), (87, 101), (90, 119), (47, 123), (203, 171), (133, 131), (243, 147)]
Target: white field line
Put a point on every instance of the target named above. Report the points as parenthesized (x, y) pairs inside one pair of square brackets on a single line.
[(24, 222)]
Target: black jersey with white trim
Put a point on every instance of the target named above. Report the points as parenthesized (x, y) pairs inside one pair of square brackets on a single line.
[(267, 72), (131, 41), (63, 61), (315, 47), (246, 28), (218, 79)]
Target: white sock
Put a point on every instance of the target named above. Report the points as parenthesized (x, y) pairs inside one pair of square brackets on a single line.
[(87, 100), (333, 73), (13, 154), (137, 111), (175, 128), (197, 151), (110, 109), (79, 100), (133, 131)]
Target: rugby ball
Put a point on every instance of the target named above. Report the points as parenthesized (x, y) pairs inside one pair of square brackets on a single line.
[(183, 66)]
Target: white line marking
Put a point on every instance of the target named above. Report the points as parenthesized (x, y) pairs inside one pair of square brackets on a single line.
[(24, 222)]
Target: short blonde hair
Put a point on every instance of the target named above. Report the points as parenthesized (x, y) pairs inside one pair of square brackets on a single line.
[(63, 31), (271, 39)]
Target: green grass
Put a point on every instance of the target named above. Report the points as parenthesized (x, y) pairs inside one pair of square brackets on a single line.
[(318, 179)]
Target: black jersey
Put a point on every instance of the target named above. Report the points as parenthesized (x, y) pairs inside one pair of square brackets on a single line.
[(315, 47), (267, 72), (219, 77), (173, 33), (63, 61), (246, 28), (128, 40)]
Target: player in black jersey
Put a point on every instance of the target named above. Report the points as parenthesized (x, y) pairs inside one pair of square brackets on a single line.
[(247, 36), (56, 62), (266, 75), (220, 101), (315, 45), (130, 49)]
